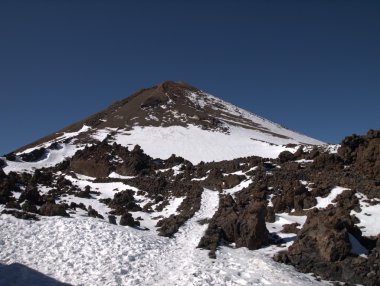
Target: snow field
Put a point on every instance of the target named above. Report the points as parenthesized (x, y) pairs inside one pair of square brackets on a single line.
[(87, 251), (202, 145)]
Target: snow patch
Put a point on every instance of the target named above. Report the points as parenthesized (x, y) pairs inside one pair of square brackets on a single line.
[(369, 216), (324, 202)]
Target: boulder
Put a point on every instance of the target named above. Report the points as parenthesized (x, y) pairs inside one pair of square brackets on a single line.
[(286, 156), (50, 209), (323, 238), (128, 220)]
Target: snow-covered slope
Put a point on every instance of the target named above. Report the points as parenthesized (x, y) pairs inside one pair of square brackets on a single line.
[(87, 251)]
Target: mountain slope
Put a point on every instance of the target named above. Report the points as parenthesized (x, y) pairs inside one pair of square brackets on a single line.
[(160, 117), (87, 205)]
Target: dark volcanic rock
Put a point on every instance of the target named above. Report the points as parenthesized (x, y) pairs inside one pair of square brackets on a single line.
[(93, 213), (271, 216), (34, 156), (324, 237), (32, 195), (363, 152), (155, 100), (286, 156), (327, 162), (13, 205), (11, 157), (246, 227), (100, 159), (123, 201), (127, 219), (50, 209), (231, 181), (5, 193), (112, 219), (2, 165), (323, 246), (21, 214), (29, 207), (190, 205), (290, 228)]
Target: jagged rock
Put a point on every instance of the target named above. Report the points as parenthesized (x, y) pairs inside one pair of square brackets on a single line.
[(190, 205), (123, 201), (363, 152), (42, 177), (324, 237), (32, 195), (246, 227), (323, 246), (293, 196), (271, 216)]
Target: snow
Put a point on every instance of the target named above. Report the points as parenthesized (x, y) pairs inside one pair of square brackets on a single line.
[(53, 158), (369, 216), (228, 108), (239, 187), (172, 207), (203, 145), (64, 136), (276, 227), (87, 251), (117, 176), (106, 190), (200, 179), (102, 134), (324, 202), (149, 220), (332, 148), (304, 161)]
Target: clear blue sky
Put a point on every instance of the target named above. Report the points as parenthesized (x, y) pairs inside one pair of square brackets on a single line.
[(312, 66)]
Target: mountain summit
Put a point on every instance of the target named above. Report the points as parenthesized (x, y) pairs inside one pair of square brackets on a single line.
[(176, 118)]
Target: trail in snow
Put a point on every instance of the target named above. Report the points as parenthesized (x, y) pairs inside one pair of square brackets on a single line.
[(87, 251)]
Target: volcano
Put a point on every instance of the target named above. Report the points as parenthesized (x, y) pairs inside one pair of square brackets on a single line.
[(173, 186), (175, 118)]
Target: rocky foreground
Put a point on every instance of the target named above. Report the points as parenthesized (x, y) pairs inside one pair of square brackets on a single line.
[(337, 192)]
